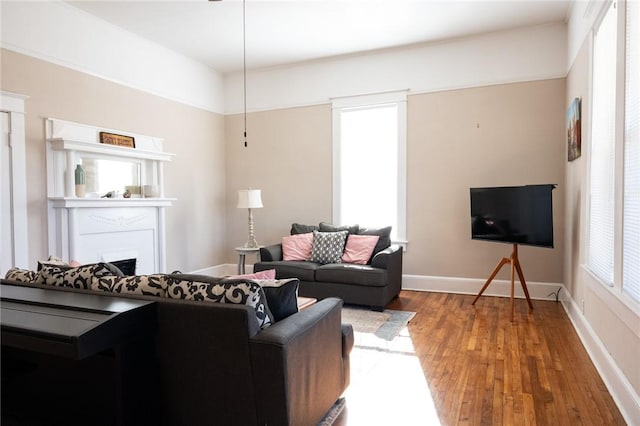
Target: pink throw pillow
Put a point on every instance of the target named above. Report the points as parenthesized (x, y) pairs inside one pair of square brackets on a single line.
[(297, 247), (359, 248), (269, 274)]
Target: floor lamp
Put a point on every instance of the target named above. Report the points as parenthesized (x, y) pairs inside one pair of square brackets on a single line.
[(250, 199)]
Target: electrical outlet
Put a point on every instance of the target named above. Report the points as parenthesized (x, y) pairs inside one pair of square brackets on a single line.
[(582, 305)]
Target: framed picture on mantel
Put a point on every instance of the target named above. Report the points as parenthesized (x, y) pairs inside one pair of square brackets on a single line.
[(119, 140)]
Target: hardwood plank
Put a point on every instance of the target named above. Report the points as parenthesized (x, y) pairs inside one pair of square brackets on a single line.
[(481, 369)]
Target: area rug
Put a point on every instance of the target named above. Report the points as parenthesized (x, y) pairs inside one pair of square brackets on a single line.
[(382, 348), (333, 413), (385, 325)]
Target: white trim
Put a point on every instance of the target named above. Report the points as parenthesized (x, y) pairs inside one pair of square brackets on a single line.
[(335, 173), (13, 104), (401, 232), (77, 225), (622, 392), (500, 288), (52, 33), (524, 54), (340, 104), (622, 306), (221, 270), (92, 202), (369, 99)]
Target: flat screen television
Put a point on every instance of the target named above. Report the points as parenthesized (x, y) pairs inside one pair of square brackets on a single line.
[(513, 214)]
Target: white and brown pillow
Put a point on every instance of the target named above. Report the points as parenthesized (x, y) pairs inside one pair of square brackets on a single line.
[(21, 275), (53, 261), (234, 291), (147, 285), (80, 277)]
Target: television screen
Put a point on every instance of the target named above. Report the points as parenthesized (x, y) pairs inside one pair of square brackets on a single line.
[(126, 266), (513, 214)]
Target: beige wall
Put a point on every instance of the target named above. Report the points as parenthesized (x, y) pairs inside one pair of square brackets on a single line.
[(576, 176), (508, 134), (288, 157), (499, 135), (496, 135), (196, 176)]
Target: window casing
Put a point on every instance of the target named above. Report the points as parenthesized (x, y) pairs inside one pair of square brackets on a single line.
[(369, 161), (613, 254)]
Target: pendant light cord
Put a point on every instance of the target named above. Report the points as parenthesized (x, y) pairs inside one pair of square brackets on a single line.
[(244, 68)]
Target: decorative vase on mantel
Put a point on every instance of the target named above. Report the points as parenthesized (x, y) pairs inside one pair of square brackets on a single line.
[(80, 181)]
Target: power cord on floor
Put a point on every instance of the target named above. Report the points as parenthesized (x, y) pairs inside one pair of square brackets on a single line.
[(556, 294)]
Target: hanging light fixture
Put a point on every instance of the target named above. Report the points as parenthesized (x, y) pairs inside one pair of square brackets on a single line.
[(244, 69)]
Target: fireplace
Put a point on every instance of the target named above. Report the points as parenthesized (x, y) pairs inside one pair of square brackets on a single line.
[(93, 228)]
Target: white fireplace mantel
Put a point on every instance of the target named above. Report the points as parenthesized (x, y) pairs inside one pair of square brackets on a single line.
[(93, 229)]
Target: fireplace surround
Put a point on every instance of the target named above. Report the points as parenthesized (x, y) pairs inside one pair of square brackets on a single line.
[(96, 228)]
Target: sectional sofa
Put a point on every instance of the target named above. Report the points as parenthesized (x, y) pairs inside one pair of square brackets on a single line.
[(219, 363)]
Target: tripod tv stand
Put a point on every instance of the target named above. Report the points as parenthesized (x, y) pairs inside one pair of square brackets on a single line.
[(515, 267)]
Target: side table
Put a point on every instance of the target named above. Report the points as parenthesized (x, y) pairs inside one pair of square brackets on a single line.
[(305, 302), (242, 253)]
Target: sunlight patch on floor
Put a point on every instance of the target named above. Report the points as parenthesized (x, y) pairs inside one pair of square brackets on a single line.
[(387, 383)]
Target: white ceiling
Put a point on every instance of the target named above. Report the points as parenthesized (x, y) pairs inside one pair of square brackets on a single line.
[(288, 31)]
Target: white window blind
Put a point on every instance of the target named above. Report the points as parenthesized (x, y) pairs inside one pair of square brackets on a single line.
[(602, 178), (631, 210)]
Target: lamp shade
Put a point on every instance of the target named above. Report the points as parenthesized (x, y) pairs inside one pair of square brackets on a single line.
[(249, 199)]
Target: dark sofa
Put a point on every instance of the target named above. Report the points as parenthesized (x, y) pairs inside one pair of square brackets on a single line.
[(215, 365), (374, 284)]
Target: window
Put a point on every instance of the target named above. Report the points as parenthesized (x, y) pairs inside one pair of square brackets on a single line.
[(601, 222), (631, 211), (614, 214), (369, 157)]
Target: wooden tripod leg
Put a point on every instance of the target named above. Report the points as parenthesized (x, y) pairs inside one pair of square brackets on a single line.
[(513, 273), (515, 268), (524, 284), (491, 277)]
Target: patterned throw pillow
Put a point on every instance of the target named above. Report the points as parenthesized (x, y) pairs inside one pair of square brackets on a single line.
[(79, 277), (234, 291), (53, 261), (148, 285), (328, 246), (22, 275)]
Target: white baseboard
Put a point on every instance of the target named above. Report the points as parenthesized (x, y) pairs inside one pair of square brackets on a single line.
[(622, 392), (502, 288), (222, 270)]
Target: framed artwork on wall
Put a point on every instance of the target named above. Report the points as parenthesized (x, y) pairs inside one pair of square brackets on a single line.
[(574, 130), (119, 140)]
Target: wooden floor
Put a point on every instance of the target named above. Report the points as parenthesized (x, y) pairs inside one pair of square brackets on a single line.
[(458, 364)]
